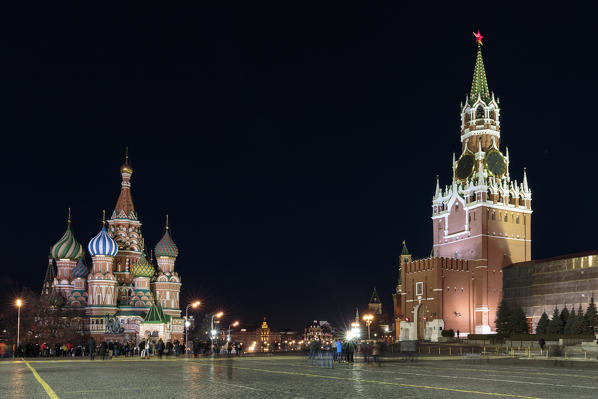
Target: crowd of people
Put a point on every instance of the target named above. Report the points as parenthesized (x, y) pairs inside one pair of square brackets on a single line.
[(144, 349), (344, 351)]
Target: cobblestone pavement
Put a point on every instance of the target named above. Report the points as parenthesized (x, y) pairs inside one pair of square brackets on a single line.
[(289, 377)]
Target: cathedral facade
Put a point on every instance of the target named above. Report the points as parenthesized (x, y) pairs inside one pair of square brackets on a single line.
[(481, 223), (124, 295)]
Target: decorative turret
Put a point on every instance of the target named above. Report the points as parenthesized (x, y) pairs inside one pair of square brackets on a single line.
[(375, 305), (67, 247), (80, 271), (78, 296), (101, 281), (166, 246), (65, 252), (167, 283), (142, 268), (49, 281), (102, 244), (124, 208)]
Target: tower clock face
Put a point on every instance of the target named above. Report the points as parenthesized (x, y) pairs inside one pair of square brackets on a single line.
[(495, 163), (465, 167)]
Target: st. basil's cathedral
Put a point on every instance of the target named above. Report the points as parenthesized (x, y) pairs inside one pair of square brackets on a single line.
[(124, 295)]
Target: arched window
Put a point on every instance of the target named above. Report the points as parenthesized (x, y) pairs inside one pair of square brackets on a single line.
[(479, 112)]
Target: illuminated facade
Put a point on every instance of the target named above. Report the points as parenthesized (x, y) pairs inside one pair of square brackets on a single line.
[(481, 223), (124, 295)]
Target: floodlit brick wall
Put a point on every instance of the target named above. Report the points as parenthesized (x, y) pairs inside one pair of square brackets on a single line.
[(540, 285)]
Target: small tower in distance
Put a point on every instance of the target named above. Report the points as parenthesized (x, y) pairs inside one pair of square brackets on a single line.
[(375, 305)]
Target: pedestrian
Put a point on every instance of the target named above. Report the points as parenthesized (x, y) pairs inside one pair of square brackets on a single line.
[(339, 350), (92, 348), (542, 343), (458, 334), (142, 349), (376, 353), (350, 349), (103, 349), (176, 347), (160, 348)]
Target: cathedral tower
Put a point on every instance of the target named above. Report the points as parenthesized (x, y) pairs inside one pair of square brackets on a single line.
[(66, 252), (167, 283), (124, 227), (101, 281)]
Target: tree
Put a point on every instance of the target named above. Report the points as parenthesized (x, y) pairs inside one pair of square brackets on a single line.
[(570, 322), (565, 315), (578, 326), (542, 325), (556, 324), (518, 321), (591, 316), (503, 318)]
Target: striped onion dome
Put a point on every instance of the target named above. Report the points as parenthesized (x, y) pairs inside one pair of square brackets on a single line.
[(102, 244), (166, 247), (67, 247), (142, 268), (80, 270)]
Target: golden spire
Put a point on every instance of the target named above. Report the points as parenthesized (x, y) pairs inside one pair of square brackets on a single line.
[(103, 218), (126, 167), (68, 219), (167, 221)]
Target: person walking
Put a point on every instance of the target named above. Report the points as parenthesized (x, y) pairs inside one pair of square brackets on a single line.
[(339, 350), (92, 348), (376, 353)]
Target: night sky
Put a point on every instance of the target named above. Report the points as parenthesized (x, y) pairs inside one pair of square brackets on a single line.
[(293, 148)]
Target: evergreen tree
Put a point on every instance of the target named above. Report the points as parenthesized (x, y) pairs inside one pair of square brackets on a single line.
[(542, 325), (578, 326), (565, 315), (556, 324), (570, 322), (518, 321), (591, 316), (503, 318)]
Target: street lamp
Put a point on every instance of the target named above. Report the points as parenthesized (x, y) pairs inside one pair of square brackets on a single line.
[(187, 324), (19, 304), (236, 323), (213, 332), (368, 320)]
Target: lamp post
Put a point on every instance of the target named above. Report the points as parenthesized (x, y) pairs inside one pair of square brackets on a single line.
[(212, 331), (19, 304), (368, 320), (192, 305), (236, 323)]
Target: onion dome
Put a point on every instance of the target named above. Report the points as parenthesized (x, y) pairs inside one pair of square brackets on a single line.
[(67, 247), (80, 270), (142, 268), (166, 246), (102, 244)]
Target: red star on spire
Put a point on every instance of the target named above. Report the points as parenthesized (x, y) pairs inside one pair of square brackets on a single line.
[(478, 37)]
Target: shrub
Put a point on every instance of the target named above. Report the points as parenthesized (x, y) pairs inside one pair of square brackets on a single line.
[(448, 333)]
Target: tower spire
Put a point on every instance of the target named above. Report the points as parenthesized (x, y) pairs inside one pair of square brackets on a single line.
[(479, 85), (68, 219), (124, 208), (167, 221)]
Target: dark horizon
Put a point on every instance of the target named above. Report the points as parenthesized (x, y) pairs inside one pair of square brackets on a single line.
[(294, 149)]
